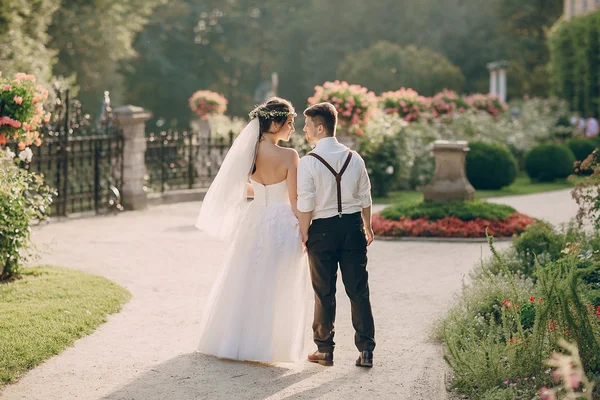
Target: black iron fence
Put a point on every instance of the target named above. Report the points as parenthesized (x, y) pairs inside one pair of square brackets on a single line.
[(183, 160), (80, 158)]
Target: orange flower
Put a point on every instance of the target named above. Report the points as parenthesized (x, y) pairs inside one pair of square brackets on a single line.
[(532, 299), (18, 100), (22, 146), (2, 139), (38, 142)]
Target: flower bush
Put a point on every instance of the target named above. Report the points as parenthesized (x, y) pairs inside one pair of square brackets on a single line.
[(21, 110), (354, 103), (450, 227), (23, 195), (446, 103), (586, 193), (206, 103), (511, 318), (23, 199), (490, 104), (404, 102)]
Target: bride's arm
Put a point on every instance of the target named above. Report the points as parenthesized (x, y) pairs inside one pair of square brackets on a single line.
[(292, 180)]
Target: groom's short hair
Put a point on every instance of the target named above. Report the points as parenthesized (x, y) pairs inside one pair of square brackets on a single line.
[(323, 114)]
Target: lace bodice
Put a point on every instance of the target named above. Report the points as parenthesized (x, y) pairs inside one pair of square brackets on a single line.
[(270, 194)]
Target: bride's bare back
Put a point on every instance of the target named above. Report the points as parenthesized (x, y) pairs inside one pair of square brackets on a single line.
[(276, 164), (272, 163)]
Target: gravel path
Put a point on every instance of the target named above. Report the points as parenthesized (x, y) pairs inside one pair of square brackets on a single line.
[(146, 352)]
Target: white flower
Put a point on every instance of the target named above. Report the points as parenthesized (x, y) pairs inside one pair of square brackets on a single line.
[(9, 154), (26, 154), (389, 170)]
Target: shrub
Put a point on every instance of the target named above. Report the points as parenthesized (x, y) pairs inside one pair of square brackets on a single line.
[(404, 102), (23, 199), (382, 161), (549, 162), (21, 110), (490, 166), (354, 103), (581, 148), (465, 211), (586, 193), (503, 326)]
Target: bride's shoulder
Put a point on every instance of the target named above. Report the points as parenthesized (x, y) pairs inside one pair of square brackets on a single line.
[(287, 152)]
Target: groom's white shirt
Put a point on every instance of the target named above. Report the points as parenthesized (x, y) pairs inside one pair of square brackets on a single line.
[(316, 184)]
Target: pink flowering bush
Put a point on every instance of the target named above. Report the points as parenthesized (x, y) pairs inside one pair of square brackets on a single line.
[(447, 102), (406, 103), (354, 103), (206, 104), (490, 104), (21, 110)]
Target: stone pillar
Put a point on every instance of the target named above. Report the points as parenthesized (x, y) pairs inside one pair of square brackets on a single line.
[(132, 121), (449, 181), (493, 82), (502, 85)]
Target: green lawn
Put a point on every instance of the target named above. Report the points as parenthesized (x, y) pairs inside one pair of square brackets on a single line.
[(522, 185), (46, 311)]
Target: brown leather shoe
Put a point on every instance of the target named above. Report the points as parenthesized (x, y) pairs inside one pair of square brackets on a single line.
[(325, 359), (365, 359)]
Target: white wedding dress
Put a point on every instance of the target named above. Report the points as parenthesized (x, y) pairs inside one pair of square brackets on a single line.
[(257, 307)]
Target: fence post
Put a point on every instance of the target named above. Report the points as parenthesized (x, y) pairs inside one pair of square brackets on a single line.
[(132, 121)]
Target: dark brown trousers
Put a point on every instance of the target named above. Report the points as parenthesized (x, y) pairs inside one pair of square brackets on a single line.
[(332, 242)]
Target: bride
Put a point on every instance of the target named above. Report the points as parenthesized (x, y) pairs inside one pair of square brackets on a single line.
[(256, 310)]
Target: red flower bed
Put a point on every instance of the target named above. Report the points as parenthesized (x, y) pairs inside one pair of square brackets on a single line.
[(450, 227)]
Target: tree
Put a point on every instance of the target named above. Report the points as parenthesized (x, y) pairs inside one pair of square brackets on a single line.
[(92, 38), (23, 37), (525, 24), (386, 66), (189, 46)]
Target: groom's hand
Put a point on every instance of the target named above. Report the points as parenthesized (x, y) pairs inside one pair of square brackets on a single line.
[(370, 235)]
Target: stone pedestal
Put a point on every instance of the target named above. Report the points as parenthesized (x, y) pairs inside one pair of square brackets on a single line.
[(202, 128), (347, 138), (449, 181), (132, 121)]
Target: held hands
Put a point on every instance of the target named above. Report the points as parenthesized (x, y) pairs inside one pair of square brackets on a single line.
[(304, 239), (370, 235)]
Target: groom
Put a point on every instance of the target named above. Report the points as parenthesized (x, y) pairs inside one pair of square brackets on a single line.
[(334, 193)]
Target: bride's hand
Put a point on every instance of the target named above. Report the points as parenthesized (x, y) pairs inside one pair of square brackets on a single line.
[(304, 240)]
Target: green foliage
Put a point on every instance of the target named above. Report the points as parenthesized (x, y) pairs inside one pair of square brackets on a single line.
[(387, 66), (581, 148), (575, 64), (503, 326), (465, 211), (539, 241), (23, 199), (24, 38), (93, 38), (549, 162), (382, 161), (490, 166)]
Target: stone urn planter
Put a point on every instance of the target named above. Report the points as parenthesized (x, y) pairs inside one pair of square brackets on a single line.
[(449, 181)]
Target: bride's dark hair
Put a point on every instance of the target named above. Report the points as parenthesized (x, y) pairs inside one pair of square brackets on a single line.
[(275, 110)]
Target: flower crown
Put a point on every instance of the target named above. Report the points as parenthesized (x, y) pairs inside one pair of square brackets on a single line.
[(260, 112)]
